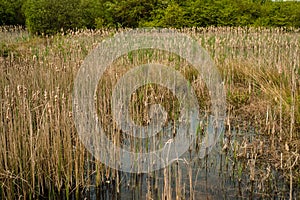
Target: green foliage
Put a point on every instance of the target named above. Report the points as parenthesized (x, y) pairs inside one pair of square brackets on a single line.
[(173, 16), (93, 13), (132, 13), (11, 12), (50, 16), (285, 14)]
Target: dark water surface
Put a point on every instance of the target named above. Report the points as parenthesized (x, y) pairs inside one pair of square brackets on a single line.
[(217, 176)]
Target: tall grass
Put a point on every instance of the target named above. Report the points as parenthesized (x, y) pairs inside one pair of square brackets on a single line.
[(41, 154)]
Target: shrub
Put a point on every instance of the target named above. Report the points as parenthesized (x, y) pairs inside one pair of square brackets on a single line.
[(50, 16), (11, 12)]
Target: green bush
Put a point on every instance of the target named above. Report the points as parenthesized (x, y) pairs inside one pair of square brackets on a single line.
[(173, 15), (93, 13), (51, 16), (11, 12)]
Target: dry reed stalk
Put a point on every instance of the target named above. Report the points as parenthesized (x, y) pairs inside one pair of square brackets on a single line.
[(38, 143)]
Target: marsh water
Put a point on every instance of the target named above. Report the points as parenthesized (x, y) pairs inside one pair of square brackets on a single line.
[(217, 176)]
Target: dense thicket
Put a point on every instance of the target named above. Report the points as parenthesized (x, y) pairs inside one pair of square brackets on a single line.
[(50, 16), (11, 12)]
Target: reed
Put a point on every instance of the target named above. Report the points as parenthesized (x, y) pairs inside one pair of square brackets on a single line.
[(41, 154)]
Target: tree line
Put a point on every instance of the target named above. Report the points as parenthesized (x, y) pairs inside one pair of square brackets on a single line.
[(51, 16)]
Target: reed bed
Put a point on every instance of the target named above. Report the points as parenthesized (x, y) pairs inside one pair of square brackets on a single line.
[(42, 156)]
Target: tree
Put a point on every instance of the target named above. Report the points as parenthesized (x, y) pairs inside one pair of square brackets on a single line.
[(11, 12), (174, 16), (94, 13), (132, 13), (50, 16)]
